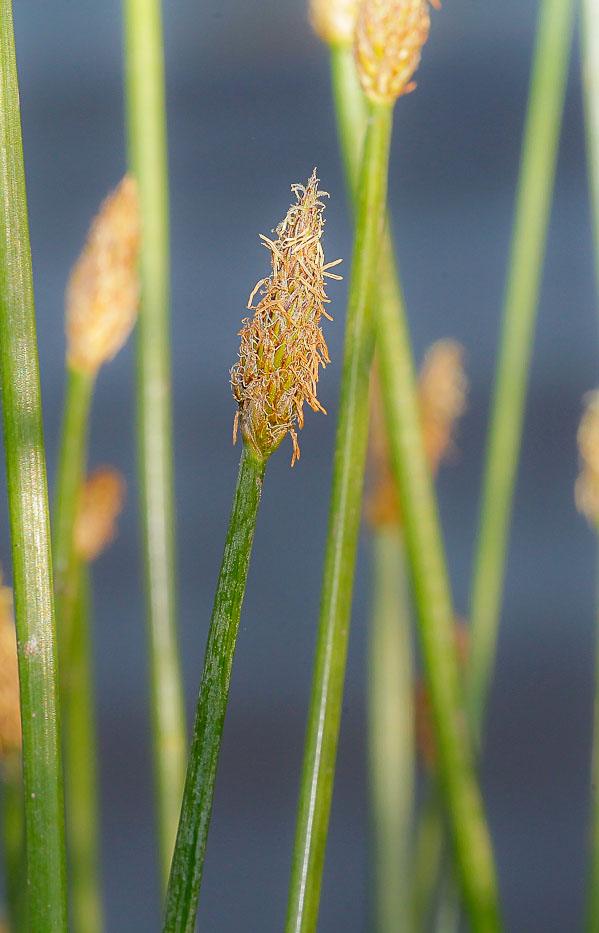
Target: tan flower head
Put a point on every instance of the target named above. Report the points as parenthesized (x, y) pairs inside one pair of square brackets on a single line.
[(102, 297), (442, 393), (10, 710), (334, 20), (282, 346), (389, 39), (442, 389), (100, 505), (586, 490)]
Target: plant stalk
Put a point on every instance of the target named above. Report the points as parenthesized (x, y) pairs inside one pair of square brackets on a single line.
[(29, 518), (146, 119), (391, 731), (81, 770), (344, 519), (590, 74), (190, 847), (537, 174)]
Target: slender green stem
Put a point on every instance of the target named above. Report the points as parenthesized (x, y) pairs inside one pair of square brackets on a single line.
[(70, 476), (13, 832), (590, 65), (29, 519), (429, 846), (435, 614), (147, 147), (351, 111), (537, 172), (190, 847), (391, 731), (81, 771), (344, 519)]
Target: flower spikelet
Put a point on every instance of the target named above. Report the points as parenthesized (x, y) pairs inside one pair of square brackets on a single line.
[(388, 43), (282, 346), (442, 390), (99, 506), (334, 20), (102, 298), (10, 710), (586, 490)]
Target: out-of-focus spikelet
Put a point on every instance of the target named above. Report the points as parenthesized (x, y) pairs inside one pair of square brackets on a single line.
[(10, 711), (388, 45), (334, 20), (102, 298), (282, 346), (100, 505), (586, 490)]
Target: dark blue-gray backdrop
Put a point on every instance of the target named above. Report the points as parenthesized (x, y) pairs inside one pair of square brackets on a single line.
[(249, 113)]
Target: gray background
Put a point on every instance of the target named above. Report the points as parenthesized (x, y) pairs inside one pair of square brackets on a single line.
[(250, 113)]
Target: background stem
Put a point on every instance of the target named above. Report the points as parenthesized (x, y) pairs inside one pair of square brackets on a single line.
[(537, 173), (81, 770), (190, 846), (146, 118), (391, 731), (344, 519), (29, 518), (590, 76)]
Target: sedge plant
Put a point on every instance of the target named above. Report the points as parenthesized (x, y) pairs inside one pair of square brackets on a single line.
[(102, 301), (146, 134), (282, 349), (412, 474), (29, 519)]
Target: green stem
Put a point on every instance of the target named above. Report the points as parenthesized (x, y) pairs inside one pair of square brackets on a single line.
[(190, 847), (13, 832), (29, 519), (81, 771), (344, 519), (590, 65), (537, 172), (423, 538), (146, 116), (71, 474), (351, 111), (391, 731)]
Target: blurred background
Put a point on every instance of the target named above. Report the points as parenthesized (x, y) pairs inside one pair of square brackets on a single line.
[(250, 112)]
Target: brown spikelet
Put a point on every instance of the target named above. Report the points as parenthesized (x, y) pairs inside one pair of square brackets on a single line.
[(102, 298), (442, 390), (10, 710), (388, 43), (586, 490), (100, 505), (282, 346), (334, 20)]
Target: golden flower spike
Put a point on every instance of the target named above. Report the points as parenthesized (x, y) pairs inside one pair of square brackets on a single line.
[(388, 43), (282, 346), (586, 490), (334, 20), (100, 505)]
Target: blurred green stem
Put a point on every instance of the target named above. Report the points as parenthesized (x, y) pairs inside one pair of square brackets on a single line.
[(81, 769), (590, 74), (146, 119), (190, 847), (391, 731), (344, 519), (29, 519), (537, 173)]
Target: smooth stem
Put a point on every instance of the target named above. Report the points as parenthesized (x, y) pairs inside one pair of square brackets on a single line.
[(81, 771), (590, 75), (435, 615), (391, 731), (146, 119), (29, 518), (344, 519), (537, 173), (70, 476), (351, 111), (190, 847)]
